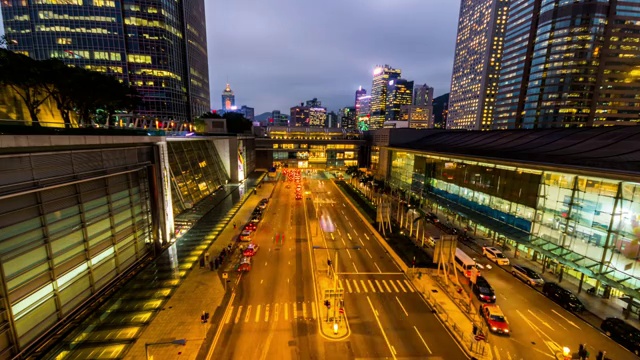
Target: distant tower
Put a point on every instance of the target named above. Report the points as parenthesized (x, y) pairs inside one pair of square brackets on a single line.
[(228, 99), (381, 77)]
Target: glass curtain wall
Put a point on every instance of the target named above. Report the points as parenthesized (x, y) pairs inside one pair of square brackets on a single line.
[(589, 224)]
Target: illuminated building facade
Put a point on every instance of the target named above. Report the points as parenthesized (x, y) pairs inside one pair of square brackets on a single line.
[(476, 63), (228, 99), (399, 92), (564, 72), (348, 118), (317, 116), (417, 116), (381, 77), (299, 116), (423, 95), (160, 48), (359, 93)]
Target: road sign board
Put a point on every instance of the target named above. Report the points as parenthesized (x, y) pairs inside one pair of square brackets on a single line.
[(225, 275), (480, 337)]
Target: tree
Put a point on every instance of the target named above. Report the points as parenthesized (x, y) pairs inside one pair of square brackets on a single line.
[(25, 77), (237, 123), (59, 84)]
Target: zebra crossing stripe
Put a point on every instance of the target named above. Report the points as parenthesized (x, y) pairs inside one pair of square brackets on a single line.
[(349, 286), (235, 321), (257, 313), (409, 286), (340, 283), (226, 321), (266, 313), (304, 310), (314, 310), (364, 286), (386, 286), (355, 283), (295, 310), (401, 287), (276, 312), (246, 317), (286, 311), (373, 288), (394, 286), (379, 286)]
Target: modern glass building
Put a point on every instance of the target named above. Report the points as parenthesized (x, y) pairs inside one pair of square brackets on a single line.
[(476, 63), (570, 64), (399, 93), (567, 198), (378, 105), (158, 47)]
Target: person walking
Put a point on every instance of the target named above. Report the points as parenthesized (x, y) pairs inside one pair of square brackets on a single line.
[(206, 258), (234, 224)]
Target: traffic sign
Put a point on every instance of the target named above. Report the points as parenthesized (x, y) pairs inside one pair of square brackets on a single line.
[(225, 275), (480, 337)]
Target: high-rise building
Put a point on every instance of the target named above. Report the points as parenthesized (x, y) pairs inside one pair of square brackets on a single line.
[(440, 111), (359, 93), (476, 64), (399, 92), (332, 120), (381, 77), (279, 119), (228, 99), (348, 118), (363, 106), (317, 116), (417, 116), (423, 95), (247, 112), (299, 115), (561, 72), (313, 103), (166, 63)]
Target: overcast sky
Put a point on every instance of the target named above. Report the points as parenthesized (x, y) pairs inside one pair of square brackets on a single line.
[(278, 53)]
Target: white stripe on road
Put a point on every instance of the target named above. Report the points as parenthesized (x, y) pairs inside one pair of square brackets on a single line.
[(364, 286), (386, 286), (365, 235), (379, 286), (355, 283), (248, 314), (228, 319), (393, 354), (266, 313), (257, 313), (355, 268), (401, 287), (403, 309), (409, 285), (314, 310), (368, 253), (394, 286), (235, 321), (567, 320), (304, 310), (373, 289), (377, 267), (286, 311), (276, 312), (421, 338), (348, 253), (349, 286)]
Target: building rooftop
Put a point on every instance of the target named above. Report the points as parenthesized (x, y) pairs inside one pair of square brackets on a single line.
[(614, 148)]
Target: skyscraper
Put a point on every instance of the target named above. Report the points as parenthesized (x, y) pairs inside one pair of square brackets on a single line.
[(381, 77), (348, 118), (399, 93), (228, 99), (476, 63), (363, 106), (317, 116), (299, 116), (147, 45), (563, 72), (359, 93), (423, 95)]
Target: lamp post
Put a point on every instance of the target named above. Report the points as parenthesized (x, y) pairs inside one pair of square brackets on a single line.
[(174, 342), (335, 271)]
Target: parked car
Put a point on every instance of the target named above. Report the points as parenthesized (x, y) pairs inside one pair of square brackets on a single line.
[(495, 319), (432, 217), (623, 333), (495, 255), (246, 235), (562, 296), (251, 250), (262, 205), (483, 291), (256, 218), (527, 275), (250, 226)]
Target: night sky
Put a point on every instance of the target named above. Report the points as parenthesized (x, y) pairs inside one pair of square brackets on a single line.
[(277, 53)]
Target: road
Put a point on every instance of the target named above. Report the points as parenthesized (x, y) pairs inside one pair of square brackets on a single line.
[(273, 313), (538, 325), (387, 317)]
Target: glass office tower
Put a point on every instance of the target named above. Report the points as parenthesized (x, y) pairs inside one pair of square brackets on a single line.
[(158, 47), (381, 77)]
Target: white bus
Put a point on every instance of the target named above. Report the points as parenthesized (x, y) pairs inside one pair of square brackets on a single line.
[(464, 263)]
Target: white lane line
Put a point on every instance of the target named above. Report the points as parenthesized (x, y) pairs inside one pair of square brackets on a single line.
[(393, 353), (364, 286), (354, 266), (349, 236), (401, 287), (361, 241), (276, 313), (394, 286), (384, 282), (365, 235), (314, 310), (257, 313), (349, 286), (355, 283), (421, 338), (542, 321), (248, 314), (235, 321), (343, 243), (295, 310), (377, 267), (409, 285), (373, 289), (368, 253), (355, 232), (304, 310), (228, 319), (348, 253), (286, 311), (379, 286), (403, 309), (567, 320), (350, 224), (266, 313)]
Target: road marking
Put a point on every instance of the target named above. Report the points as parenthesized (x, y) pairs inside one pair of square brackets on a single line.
[(355, 268), (373, 289), (261, 281), (248, 314), (348, 253), (235, 321), (401, 287), (339, 231), (368, 253), (394, 286), (228, 319), (384, 282), (355, 283), (332, 238), (348, 286), (355, 232), (393, 351), (344, 243), (496, 353), (377, 267), (257, 313), (421, 338), (361, 241), (266, 313), (379, 286), (567, 320), (349, 235), (409, 286), (314, 312), (364, 286), (286, 311), (295, 310), (365, 235), (403, 309), (275, 312), (304, 310), (350, 223), (542, 321)]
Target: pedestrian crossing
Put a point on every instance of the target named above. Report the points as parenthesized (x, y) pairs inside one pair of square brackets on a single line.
[(260, 313), (361, 286)]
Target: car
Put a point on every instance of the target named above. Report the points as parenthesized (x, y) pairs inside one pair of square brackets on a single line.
[(495, 319), (623, 333), (262, 206), (256, 218), (265, 200), (527, 275), (251, 250), (245, 264), (250, 226), (562, 296), (246, 235), (298, 196), (483, 291), (432, 217), (495, 255)]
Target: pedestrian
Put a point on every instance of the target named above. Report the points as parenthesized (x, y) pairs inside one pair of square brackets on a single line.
[(234, 224), (211, 265), (216, 264), (201, 261), (206, 258)]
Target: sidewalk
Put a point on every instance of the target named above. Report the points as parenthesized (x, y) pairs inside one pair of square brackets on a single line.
[(202, 290)]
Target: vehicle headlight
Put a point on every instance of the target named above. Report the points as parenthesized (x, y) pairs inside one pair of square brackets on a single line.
[(494, 328), (493, 297), (506, 330)]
